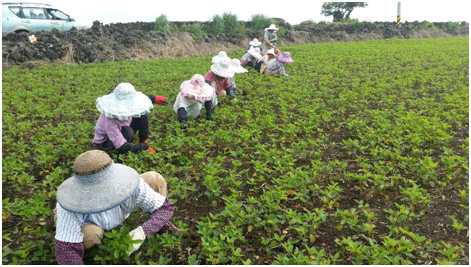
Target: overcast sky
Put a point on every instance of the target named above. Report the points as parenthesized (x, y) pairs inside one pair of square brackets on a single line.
[(294, 11)]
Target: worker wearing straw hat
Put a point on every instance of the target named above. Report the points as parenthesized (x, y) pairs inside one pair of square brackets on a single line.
[(99, 196), (270, 38), (220, 73), (124, 112), (269, 55), (275, 63), (220, 61), (253, 54), (193, 95)]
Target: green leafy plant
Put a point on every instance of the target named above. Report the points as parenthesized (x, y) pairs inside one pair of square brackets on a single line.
[(161, 24), (456, 224), (216, 26), (359, 157), (114, 248)]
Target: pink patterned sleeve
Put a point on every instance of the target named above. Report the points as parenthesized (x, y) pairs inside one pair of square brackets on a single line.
[(159, 218), (69, 253), (209, 77), (113, 131)]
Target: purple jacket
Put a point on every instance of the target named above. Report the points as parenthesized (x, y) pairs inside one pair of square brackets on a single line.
[(107, 128)]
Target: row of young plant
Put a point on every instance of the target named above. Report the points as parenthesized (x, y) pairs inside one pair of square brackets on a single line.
[(360, 156)]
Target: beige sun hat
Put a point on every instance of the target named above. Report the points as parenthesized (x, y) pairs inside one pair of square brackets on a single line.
[(271, 28), (223, 68), (97, 185), (124, 102)]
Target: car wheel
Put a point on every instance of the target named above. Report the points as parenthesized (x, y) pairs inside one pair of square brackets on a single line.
[(22, 32)]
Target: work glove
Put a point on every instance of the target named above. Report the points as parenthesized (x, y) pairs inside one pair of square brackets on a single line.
[(160, 100), (133, 148), (151, 150), (139, 236)]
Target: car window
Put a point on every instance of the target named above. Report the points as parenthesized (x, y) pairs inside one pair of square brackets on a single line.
[(57, 14), (34, 13), (16, 10)]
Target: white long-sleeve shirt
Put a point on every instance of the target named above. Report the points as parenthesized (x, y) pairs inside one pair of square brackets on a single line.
[(192, 107)]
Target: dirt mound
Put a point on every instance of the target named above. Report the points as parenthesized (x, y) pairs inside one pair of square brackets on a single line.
[(138, 40), (105, 42), (98, 43)]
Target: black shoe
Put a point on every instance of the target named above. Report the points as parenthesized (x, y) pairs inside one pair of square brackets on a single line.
[(209, 116)]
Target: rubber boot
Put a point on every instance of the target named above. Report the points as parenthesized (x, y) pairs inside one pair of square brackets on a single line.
[(209, 109), (182, 117)]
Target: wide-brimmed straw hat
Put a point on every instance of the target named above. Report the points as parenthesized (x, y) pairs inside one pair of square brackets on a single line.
[(220, 56), (237, 67), (223, 68), (285, 58), (197, 88), (97, 185), (255, 42), (124, 102), (272, 28)]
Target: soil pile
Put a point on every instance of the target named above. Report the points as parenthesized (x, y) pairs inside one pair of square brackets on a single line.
[(139, 41)]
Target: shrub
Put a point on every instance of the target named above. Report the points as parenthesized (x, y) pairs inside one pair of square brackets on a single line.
[(228, 25), (232, 27), (216, 26), (161, 24), (259, 22), (196, 29)]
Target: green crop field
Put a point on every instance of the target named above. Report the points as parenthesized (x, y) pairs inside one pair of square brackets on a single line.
[(359, 156)]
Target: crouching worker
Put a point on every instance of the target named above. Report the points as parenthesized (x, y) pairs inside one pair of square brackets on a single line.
[(193, 95), (100, 196), (253, 55), (220, 75), (274, 63), (123, 113), (236, 67)]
